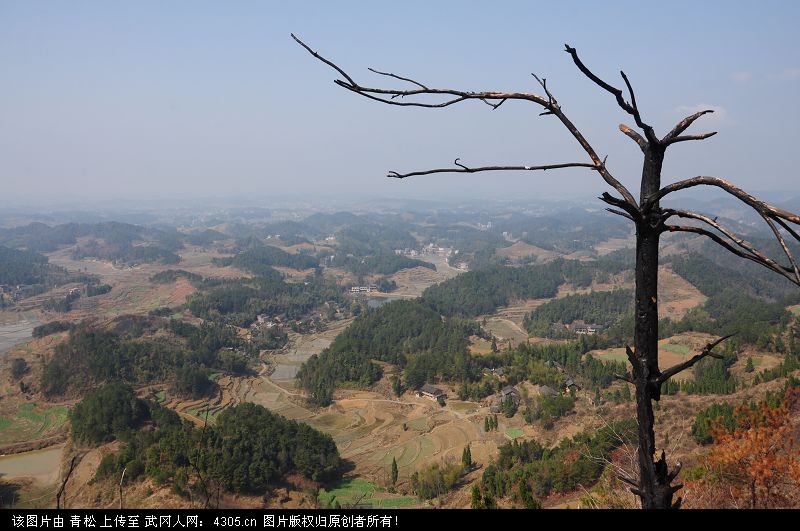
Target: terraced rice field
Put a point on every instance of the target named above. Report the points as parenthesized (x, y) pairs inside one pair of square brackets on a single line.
[(352, 491), (369, 429), (31, 421), (377, 436), (676, 295), (198, 411)]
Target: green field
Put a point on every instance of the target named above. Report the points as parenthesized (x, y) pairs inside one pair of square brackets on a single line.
[(31, 422), (514, 433), (676, 348), (394, 503), (200, 413), (352, 491), (617, 354), (161, 396)]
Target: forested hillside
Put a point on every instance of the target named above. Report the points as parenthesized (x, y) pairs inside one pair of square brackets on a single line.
[(28, 267), (259, 257), (175, 451), (406, 333), (603, 307), (94, 356), (484, 290)]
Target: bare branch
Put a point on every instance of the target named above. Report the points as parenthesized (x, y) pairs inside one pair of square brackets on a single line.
[(623, 377), (464, 169), (675, 471), (788, 229), (607, 177), (621, 213), (451, 97), (318, 56), (636, 137), (617, 93), (64, 482), (744, 244), (632, 211), (735, 191), (781, 270), (494, 105), (630, 91), (401, 78), (785, 248), (707, 351), (627, 480), (196, 464), (631, 356), (121, 479), (683, 125), (684, 138), (543, 83), (368, 93), (769, 213)]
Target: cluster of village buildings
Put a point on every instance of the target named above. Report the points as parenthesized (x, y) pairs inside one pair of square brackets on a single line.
[(450, 255), (265, 322), (578, 327), (508, 392), (16, 292), (364, 289)]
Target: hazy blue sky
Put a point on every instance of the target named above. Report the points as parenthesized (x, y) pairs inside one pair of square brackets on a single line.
[(153, 99)]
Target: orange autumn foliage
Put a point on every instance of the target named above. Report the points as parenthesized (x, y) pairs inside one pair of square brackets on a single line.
[(757, 465)]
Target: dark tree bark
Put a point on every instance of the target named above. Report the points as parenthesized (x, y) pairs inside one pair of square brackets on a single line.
[(654, 485)]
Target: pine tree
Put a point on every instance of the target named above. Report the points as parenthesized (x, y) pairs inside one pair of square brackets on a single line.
[(494, 345), (397, 386), (779, 345), (487, 425), (394, 471), (526, 496), (488, 501), (466, 458), (477, 499), (749, 366)]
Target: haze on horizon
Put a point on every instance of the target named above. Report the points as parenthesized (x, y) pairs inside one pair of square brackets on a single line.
[(199, 99)]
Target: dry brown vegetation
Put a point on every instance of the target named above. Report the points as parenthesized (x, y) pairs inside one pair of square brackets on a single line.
[(370, 427)]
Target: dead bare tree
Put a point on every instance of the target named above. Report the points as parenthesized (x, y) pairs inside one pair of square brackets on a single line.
[(121, 480), (654, 484), (64, 482)]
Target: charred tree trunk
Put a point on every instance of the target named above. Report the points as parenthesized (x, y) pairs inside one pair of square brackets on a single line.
[(655, 491)]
